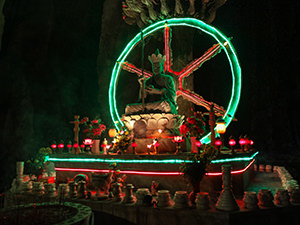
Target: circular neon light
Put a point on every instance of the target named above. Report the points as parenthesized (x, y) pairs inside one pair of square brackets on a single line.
[(188, 22)]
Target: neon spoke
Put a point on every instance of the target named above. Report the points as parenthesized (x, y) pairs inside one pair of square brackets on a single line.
[(132, 69), (167, 48), (197, 63), (199, 100)]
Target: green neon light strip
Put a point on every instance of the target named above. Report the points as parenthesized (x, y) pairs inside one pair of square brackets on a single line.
[(162, 161), (193, 23)]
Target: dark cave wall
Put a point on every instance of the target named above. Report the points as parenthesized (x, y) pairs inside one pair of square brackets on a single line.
[(48, 74)]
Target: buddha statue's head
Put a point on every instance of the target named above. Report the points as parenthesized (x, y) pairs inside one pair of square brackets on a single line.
[(157, 60)]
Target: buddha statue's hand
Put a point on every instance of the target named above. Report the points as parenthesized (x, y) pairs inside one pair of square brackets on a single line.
[(152, 90)]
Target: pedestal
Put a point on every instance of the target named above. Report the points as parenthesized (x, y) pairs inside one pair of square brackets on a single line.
[(163, 197)]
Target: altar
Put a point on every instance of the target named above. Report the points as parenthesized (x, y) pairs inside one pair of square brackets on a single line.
[(164, 169)]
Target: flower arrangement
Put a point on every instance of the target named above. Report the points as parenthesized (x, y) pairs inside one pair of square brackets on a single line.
[(121, 141), (193, 126), (195, 167), (36, 165), (93, 128)]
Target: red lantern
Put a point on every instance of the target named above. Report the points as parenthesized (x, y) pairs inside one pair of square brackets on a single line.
[(251, 142), (242, 141), (76, 145), (232, 142), (54, 146), (61, 145), (69, 146), (218, 143), (134, 144), (156, 144), (198, 143)]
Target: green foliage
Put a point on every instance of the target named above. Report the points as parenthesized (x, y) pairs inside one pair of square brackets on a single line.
[(195, 167), (36, 165)]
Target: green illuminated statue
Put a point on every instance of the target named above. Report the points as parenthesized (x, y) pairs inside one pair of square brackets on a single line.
[(157, 94)]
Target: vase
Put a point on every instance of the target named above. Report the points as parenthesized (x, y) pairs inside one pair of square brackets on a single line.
[(194, 148), (95, 147)]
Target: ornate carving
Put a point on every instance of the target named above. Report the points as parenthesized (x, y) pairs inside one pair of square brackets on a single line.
[(144, 12)]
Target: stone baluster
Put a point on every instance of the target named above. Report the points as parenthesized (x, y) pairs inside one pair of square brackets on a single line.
[(140, 195), (163, 197), (128, 194), (72, 189), (250, 200), (81, 190), (265, 198), (117, 192), (181, 199), (295, 196), (38, 188), (226, 201), (50, 190), (282, 197), (202, 201), (63, 190)]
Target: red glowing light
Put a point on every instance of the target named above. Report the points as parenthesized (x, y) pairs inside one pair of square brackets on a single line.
[(156, 144), (82, 146), (88, 141), (251, 142), (53, 146), (51, 180), (218, 143), (198, 143), (150, 173), (134, 144), (69, 146), (242, 141), (61, 145), (76, 145), (177, 139), (232, 172), (232, 142)]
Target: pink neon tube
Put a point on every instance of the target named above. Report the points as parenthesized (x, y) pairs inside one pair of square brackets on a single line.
[(149, 173)]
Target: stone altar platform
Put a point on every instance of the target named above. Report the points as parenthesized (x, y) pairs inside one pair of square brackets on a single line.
[(141, 170)]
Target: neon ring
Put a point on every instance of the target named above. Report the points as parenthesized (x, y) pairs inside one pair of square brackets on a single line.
[(222, 40)]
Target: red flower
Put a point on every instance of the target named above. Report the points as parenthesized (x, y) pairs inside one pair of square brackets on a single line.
[(95, 121), (191, 120), (84, 120), (102, 127), (183, 129), (97, 131)]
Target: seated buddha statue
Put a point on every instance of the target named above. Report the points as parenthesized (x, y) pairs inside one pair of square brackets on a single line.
[(158, 91)]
